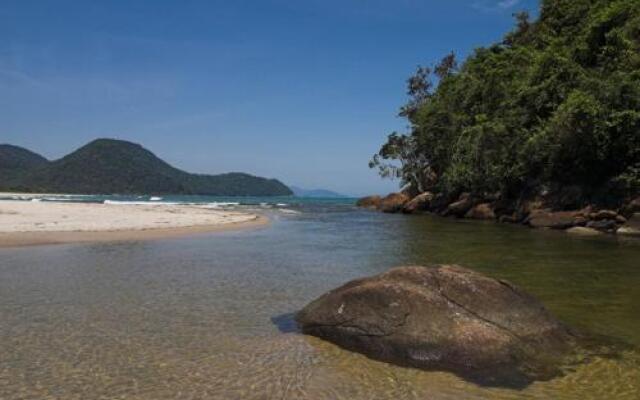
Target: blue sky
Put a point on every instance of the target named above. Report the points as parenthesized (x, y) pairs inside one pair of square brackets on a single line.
[(301, 90)]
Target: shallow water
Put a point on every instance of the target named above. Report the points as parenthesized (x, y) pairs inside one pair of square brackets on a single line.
[(207, 316)]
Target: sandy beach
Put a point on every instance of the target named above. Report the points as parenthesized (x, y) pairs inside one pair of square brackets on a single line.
[(24, 223)]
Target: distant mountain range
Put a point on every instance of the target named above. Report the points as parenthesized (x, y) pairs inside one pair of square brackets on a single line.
[(108, 166), (315, 193)]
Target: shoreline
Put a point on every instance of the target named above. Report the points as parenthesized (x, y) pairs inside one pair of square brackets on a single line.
[(25, 223)]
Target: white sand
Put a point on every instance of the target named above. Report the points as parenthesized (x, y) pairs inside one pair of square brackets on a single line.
[(27, 223), (26, 216)]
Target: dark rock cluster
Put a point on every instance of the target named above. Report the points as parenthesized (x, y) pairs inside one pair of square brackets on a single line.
[(537, 213)]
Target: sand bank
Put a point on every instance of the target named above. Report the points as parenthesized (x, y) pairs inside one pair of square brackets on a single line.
[(25, 223)]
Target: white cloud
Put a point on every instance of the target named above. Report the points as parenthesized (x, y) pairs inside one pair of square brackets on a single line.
[(507, 3)]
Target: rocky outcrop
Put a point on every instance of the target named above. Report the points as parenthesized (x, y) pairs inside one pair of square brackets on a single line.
[(369, 202), (494, 207), (420, 203), (481, 211), (443, 318), (393, 202)]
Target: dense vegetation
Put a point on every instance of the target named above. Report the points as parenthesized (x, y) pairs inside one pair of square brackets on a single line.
[(107, 166), (552, 111)]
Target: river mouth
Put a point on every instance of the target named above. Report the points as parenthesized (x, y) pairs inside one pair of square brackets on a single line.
[(209, 316)]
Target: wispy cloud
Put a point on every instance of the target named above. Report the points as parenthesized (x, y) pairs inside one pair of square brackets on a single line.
[(508, 3), (492, 5)]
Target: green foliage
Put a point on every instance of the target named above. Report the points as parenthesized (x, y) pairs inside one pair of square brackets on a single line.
[(556, 103), (107, 166)]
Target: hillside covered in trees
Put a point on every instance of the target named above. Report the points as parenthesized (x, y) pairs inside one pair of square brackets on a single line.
[(107, 166), (551, 112)]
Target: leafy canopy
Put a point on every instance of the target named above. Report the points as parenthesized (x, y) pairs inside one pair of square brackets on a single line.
[(555, 104)]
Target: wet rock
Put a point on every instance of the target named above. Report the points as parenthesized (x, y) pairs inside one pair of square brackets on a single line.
[(481, 211), (443, 317), (553, 220), (420, 203), (579, 220), (459, 208), (605, 225), (393, 202), (369, 202), (631, 208), (504, 206), (440, 202), (511, 219), (628, 231), (632, 227), (583, 231), (604, 214)]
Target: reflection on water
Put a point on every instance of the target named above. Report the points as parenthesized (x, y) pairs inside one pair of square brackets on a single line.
[(209, 316)]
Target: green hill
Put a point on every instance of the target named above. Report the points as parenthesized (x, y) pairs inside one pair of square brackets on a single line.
[(16, 161), (552, 111), (18, 158), (107, 166)]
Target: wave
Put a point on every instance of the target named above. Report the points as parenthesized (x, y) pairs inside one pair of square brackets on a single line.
[(169, 203), (139, 203), (289, 211)]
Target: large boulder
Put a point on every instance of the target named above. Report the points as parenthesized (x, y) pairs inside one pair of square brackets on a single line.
[(554, 220), (420, 203), (443, 317), (393, 202), (481, 211), (369, 202)]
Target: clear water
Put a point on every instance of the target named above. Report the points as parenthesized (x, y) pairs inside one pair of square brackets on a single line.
[(208, 316)]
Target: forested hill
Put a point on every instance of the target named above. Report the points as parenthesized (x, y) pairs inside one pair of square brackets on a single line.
[(107, 166), (552, 111)]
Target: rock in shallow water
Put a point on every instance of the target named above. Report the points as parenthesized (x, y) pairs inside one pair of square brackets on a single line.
[(369, 202), (443, 318)]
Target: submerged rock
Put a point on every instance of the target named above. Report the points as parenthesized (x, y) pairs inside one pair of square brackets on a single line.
[(583, 231), (554, 220), (369, 202), (393, 202), (443, 318)]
